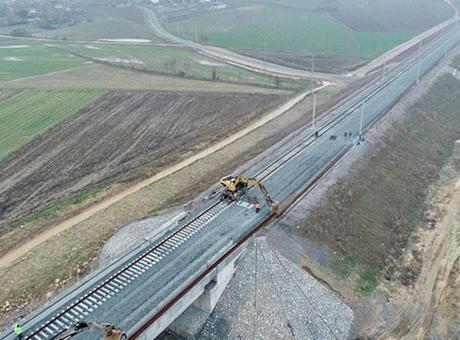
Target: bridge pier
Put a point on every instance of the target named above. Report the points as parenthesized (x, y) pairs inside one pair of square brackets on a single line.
[(188, 315)]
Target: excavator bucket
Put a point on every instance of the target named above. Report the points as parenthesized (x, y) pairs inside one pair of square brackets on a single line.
[(275, 207), (115, 335)]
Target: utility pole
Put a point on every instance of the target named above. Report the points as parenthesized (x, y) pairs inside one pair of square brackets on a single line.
[(383, 70), (312, 71), (265, 53), (314, 110), (361, 122), (313, 90), (419, 67)]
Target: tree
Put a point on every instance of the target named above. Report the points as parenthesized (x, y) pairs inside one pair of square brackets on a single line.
[(19, 32), (204, 38), (23, 14)]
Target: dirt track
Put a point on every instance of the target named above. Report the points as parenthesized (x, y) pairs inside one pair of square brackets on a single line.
[(120, 132), (432, 306)]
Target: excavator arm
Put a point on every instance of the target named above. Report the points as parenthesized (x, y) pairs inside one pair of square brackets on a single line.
[(236, 186), (110, 332), (252, 182)]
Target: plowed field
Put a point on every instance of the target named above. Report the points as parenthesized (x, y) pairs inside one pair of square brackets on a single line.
[(121, 136)]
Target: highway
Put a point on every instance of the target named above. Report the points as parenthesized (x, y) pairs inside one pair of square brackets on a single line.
[(133, 290)]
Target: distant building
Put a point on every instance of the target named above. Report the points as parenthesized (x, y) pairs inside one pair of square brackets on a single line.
[(218, 6), (32, 13)]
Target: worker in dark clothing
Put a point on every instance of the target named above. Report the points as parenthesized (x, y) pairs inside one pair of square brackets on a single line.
[(316, 134), (18, 331), (257, 207)]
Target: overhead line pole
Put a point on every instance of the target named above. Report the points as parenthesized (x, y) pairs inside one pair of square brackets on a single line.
[(313, 91), (361, 122), (314, 110), (419, 67)]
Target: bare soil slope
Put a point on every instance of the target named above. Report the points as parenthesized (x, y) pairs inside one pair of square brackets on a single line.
[(120, 132)]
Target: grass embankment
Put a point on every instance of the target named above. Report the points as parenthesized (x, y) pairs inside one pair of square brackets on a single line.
[(30, 112), (368, 218), (178, 62), (59, 207), (24, 58)]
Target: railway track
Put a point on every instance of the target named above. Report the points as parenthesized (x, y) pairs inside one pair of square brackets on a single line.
[(348, 107), (272, 168), (82, 307)]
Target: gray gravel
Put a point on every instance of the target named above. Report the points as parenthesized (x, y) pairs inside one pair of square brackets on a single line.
[(136, 233), (270, 297)]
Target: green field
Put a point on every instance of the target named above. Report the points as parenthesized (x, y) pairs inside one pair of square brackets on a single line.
[(354, 29), (23, 58), (30, 28), (30, 112), (176, 61), (95, 22)]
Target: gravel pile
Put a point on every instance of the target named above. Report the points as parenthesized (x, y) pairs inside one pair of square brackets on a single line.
[(135, 233), (272, 298)]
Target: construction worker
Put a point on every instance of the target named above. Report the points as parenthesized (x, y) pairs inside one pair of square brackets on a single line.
[(257, 207), (18, 331)]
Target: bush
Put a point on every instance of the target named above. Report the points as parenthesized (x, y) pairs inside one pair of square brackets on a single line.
[(19, 32)]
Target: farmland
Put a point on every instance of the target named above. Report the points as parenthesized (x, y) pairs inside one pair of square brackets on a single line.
[(178, 62), (94, 22), (27, 114), (108, 78), (122, 136), (20, 58), (282, 31)]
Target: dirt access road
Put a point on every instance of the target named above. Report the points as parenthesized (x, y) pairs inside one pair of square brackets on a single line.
[(433, 305), (21, 250)]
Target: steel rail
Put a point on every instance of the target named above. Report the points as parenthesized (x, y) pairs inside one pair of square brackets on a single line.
[(117, 281)]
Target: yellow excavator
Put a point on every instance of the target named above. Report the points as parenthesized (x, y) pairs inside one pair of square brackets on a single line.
[(110, 331), (235, 187)]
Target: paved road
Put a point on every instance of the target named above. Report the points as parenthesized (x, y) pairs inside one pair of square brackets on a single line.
[(149, 290), (242, 60)]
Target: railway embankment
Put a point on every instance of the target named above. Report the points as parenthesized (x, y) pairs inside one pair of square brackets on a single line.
[(360, 234)]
